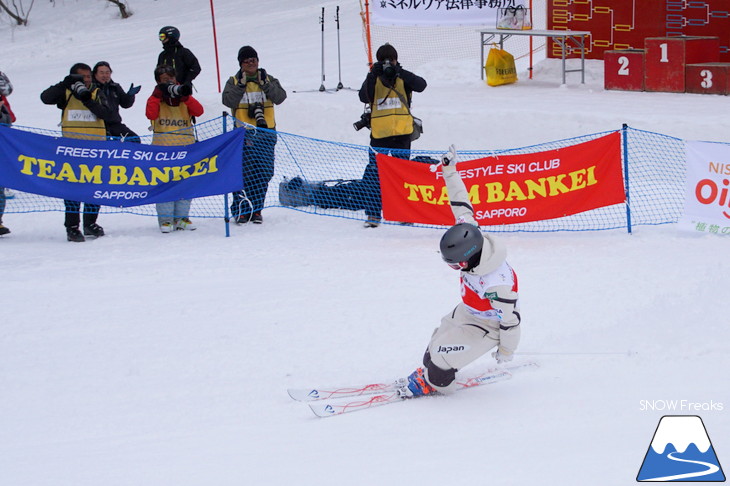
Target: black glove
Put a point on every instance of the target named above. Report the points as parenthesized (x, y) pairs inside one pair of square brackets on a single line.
[(133, 90), (186, 89), (69, 80), (377, 69), (262, 76)]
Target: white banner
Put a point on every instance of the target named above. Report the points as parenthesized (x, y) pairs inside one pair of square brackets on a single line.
[(707, 192), (438, 12)]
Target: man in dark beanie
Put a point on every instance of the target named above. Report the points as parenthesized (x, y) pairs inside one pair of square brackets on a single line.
[(173, 54), (387, 90), (251, 94)]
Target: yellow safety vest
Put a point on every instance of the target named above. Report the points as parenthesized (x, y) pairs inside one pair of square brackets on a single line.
[(173, 126), (389, 116), (77, 121), (254, 94)]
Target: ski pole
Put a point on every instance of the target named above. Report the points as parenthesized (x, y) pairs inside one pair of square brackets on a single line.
[(321, 21), (339, 62)]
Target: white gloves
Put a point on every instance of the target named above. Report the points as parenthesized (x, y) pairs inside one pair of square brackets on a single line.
[(449, 158), (502, 355)]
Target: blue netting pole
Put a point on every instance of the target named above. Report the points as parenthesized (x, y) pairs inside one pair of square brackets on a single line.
[(226, 216), (626, 175)]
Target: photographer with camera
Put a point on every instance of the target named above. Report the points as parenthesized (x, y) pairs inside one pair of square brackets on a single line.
[(76, 96), (386, 90), (115, 96), (7, 117), (251, 94), (171, 109)]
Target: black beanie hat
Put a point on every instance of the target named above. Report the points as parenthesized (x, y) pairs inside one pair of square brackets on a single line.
[(386, 51), (246, 52)]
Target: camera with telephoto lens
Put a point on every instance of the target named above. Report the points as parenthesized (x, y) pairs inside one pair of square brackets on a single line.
[(80, 90), (364, 121), (174, 90), (256, 110)]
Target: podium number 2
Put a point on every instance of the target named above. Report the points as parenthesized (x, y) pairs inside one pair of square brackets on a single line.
[(663, 47), (623, 69), (706, 76)]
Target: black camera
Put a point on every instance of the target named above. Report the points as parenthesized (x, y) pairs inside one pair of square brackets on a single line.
[(388, 69), (364, 121), (256, 111), (80, 90)]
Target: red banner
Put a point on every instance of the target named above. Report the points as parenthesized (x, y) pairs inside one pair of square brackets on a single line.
[(508, 189)]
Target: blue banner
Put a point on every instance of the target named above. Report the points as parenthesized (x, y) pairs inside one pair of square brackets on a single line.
[(120, 174)]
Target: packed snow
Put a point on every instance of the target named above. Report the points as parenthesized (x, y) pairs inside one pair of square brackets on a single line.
[(147, 359)]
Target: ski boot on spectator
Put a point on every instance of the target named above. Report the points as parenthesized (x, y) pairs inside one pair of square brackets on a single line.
[(94, 230)]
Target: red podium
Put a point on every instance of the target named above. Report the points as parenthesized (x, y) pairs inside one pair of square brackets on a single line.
[(624, 70), (708, 78), (667, 57)]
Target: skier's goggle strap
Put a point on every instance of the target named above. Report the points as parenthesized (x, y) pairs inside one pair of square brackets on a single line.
[(458, 266)]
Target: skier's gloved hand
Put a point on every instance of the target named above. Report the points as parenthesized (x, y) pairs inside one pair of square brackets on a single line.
[(133, 90), (449, 158), (502, 355)]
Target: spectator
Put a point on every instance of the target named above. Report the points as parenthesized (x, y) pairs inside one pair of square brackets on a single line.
[(251, 94), (171, 109), (386, 89), (7, 118), (76, 95), (173, 54), (115, 97)]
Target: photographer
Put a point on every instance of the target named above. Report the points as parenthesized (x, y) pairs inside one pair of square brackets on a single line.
[(385, 89), (171, 109), (251, 94), (76, 95), (7, 117), (115, 96)]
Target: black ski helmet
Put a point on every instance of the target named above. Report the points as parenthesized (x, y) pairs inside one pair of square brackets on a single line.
[(461, 246), (169, 32)]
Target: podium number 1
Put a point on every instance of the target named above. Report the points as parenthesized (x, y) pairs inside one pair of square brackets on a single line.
[(663, 47)]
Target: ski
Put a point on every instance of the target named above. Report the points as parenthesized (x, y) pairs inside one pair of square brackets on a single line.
[(325, 402)]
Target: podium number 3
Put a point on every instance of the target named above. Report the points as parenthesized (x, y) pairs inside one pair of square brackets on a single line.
[(706, 76)]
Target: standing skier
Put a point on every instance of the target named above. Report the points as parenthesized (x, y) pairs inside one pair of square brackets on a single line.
[(488, 315)]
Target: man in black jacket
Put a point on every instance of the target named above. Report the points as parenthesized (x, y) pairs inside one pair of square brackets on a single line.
[(387, 90), (174, 54), (83, 116), (115, 96)]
